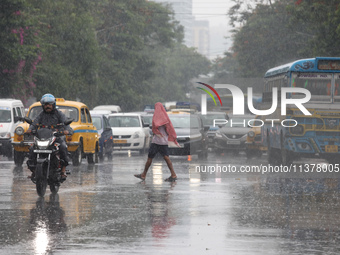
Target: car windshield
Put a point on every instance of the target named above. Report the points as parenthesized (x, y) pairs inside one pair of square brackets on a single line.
[(5, 114), (97, 122), (184, 121), (239, 121), (208, 119), (124, 121), (70, 112), (147, 119)]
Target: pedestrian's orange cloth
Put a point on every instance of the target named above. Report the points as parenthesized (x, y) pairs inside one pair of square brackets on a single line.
[(161, 118)]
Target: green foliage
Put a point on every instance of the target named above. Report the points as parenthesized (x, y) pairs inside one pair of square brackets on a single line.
[(98, 52), (271, 33), (321, 28), (138, 39), (71, 50), (20, 52)]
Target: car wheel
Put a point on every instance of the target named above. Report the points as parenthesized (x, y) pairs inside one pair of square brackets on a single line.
[(286, 157), (90, 158), (10, 154), (101, 156), (96, 156), (19, 158), (142, 151), (77, 157), (272, 154)]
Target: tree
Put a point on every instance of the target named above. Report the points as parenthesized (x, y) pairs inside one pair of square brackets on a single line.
[(71, 56), (20, 53), (138, 39), (98, 52), (320, 26), (263, 38), (271, 33)]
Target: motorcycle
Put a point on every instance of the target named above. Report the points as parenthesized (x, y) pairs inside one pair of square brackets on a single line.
[(48, 162)]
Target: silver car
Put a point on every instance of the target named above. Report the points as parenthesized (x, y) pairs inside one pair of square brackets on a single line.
[(233, 136)]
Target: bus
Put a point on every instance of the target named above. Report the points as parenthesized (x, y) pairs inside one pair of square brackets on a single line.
[(304, 136)]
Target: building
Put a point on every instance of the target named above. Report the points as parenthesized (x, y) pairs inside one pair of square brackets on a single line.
[(201, 37), (183, 13)]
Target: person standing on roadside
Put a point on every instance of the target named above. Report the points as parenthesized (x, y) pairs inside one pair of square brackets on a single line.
[(164, 133)]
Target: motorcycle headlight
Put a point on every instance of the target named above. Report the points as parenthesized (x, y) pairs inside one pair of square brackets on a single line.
[(19, 131), (43, 144), (218, 134), (5, 135)]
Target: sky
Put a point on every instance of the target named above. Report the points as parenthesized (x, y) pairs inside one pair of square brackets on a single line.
[(215, 11)]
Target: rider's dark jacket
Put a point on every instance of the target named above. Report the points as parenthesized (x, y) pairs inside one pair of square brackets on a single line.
[(51, 119)]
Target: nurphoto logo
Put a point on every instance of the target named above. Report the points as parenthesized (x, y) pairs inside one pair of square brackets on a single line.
[(238, 103)]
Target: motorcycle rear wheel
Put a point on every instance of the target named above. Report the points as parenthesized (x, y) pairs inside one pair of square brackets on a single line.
[(41, 180)]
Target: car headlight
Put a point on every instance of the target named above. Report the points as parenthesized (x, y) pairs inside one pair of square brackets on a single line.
[(136, 135), (19, 131), (196, 136), (5, 135), (218, 134), (251, 134)]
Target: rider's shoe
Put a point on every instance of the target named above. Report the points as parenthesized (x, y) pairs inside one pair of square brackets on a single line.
[(32, 176), (63, 173)]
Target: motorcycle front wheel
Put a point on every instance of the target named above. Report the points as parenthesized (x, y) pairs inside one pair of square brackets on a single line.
[(41, 180), (54, 188)]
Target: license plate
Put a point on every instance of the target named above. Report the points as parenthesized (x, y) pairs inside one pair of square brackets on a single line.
[(233, 142), (42, 151), (331, 148), (119, 141)]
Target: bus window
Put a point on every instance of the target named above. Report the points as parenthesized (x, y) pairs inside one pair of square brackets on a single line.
[(317, 84)]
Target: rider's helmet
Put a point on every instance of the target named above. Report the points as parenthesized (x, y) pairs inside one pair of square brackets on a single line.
[(48, 98)]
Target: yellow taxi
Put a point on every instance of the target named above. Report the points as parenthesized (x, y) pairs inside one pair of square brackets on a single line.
[(84, 143), (254, 145)]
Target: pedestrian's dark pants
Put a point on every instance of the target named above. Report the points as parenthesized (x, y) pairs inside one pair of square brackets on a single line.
[(157, 148)]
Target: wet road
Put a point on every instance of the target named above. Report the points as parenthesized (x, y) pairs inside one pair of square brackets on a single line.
[(103, 209)]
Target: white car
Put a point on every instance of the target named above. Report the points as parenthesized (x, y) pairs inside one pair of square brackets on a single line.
[(129, 132), (9, 109)]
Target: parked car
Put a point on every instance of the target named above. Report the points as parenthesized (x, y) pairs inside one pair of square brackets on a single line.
[(84, 143), (233, 136), (111, 108), (149, 108), (191, 135), (101, 122), (9, 109), (254, 145), (129, 132), (209, 119), (102, 112), (147, 119)]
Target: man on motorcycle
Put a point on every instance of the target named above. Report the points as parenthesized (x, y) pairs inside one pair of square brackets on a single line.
[(50, 116)]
